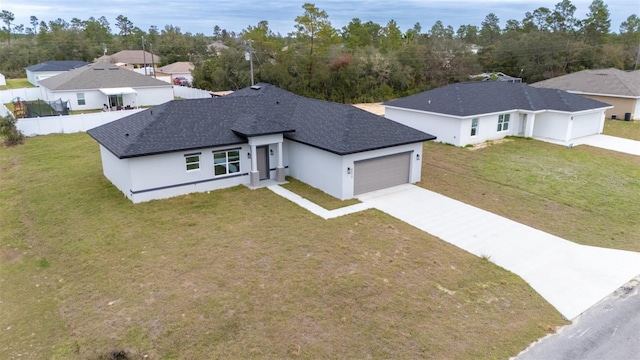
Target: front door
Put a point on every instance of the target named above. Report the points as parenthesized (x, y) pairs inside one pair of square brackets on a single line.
[(263, 162), (523, 124)]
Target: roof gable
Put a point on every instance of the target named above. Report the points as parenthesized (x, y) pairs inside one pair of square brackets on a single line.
[(598, 81), (130, 57), (99, 75), (177, 67), (264, 109), (475, 98)]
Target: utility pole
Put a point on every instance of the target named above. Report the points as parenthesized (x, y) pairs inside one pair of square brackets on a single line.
[(144, 57), (248, 55), (153, 63)]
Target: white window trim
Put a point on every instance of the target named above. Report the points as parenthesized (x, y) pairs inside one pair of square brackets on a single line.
[(80, 96), (227, 162), (504, 119), (476, 120), (187, 163)]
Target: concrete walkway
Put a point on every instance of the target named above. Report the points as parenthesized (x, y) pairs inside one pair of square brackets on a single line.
[(317, 209), (602, 141), (570, 276)]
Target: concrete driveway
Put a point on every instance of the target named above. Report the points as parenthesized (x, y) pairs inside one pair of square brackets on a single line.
[(570, 276), (605, 142)]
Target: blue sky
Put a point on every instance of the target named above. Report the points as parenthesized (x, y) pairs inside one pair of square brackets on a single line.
[(235, 15)]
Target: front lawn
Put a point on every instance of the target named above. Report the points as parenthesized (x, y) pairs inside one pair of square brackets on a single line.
[(584, 194), (236, 273), (623, 129), (16, 84)]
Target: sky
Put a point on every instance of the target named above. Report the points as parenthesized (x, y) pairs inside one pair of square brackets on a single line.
[(235, 15)]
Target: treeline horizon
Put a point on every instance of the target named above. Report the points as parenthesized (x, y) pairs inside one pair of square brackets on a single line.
[(360, 62)]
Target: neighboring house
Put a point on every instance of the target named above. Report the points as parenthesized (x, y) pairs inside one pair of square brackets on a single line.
[(47, 69), (616, 87), (474, 112), (95, 85), (254, 136), (131, 59), (3, 81), (177, 69), (496, 76), (216, 47)]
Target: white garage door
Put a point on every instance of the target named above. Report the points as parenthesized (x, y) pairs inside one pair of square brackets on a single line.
[(381, 172), (585, 125)]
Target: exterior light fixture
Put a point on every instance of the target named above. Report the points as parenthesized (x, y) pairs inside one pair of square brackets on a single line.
[(248, 155), (271, 152), (417, 156), (349, 170)]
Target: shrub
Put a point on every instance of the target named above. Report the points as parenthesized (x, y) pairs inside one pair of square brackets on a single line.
[(8, 130)]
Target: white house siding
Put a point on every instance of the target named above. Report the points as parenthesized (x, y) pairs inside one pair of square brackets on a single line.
[(348, 161), (117, 171), (318, 168), (154, 96), (164, 175), (636, 113), (447, 129), (587, 124), (95, 99), (34, 77), (3, 81), (455, 130), (487, 128), (551, 126)]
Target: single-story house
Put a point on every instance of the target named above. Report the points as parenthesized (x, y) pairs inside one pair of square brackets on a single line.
[(45, 70), (254, 136), (180, 68), (613, 86), (100, 85), (3, 80), (131, 59), (474, 112)]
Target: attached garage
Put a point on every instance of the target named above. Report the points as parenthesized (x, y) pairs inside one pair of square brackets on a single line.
[(381, 172), (586, 124)]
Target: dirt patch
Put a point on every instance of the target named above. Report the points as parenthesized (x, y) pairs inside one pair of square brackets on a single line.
[(487, 144)]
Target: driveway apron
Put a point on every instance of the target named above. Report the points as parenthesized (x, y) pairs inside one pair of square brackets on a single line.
[(607, 142), (570, 276)]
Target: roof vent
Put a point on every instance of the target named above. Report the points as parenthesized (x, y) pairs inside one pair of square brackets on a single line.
[(127, 134), (255, 87)]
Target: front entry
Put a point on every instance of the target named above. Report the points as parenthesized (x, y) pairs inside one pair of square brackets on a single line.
[(262, 153), (523, 124)]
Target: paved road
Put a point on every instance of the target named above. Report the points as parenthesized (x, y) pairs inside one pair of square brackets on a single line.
[(609, 330)]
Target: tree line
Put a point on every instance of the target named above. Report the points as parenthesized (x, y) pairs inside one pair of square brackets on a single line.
[(361, 62)]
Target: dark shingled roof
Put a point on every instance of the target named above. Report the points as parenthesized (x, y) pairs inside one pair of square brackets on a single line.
[(263, 109), (63, 65), (475, 98)]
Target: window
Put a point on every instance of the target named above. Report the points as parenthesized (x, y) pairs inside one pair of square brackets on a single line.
[(474, 127), (503, 122), (226, 162), (192, 161), (80, 98)]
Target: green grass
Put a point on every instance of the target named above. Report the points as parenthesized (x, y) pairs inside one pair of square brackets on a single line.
[(235, 273), (624, 129), (16, 84), (586, 195), (316, 196)]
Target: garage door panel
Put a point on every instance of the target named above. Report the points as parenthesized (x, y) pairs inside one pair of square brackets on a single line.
[(381, 172), (585, 126)]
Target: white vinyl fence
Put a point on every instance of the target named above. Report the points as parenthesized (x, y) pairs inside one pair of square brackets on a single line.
[(4, 111), (6, 96), (190, 93), (69, 123)]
